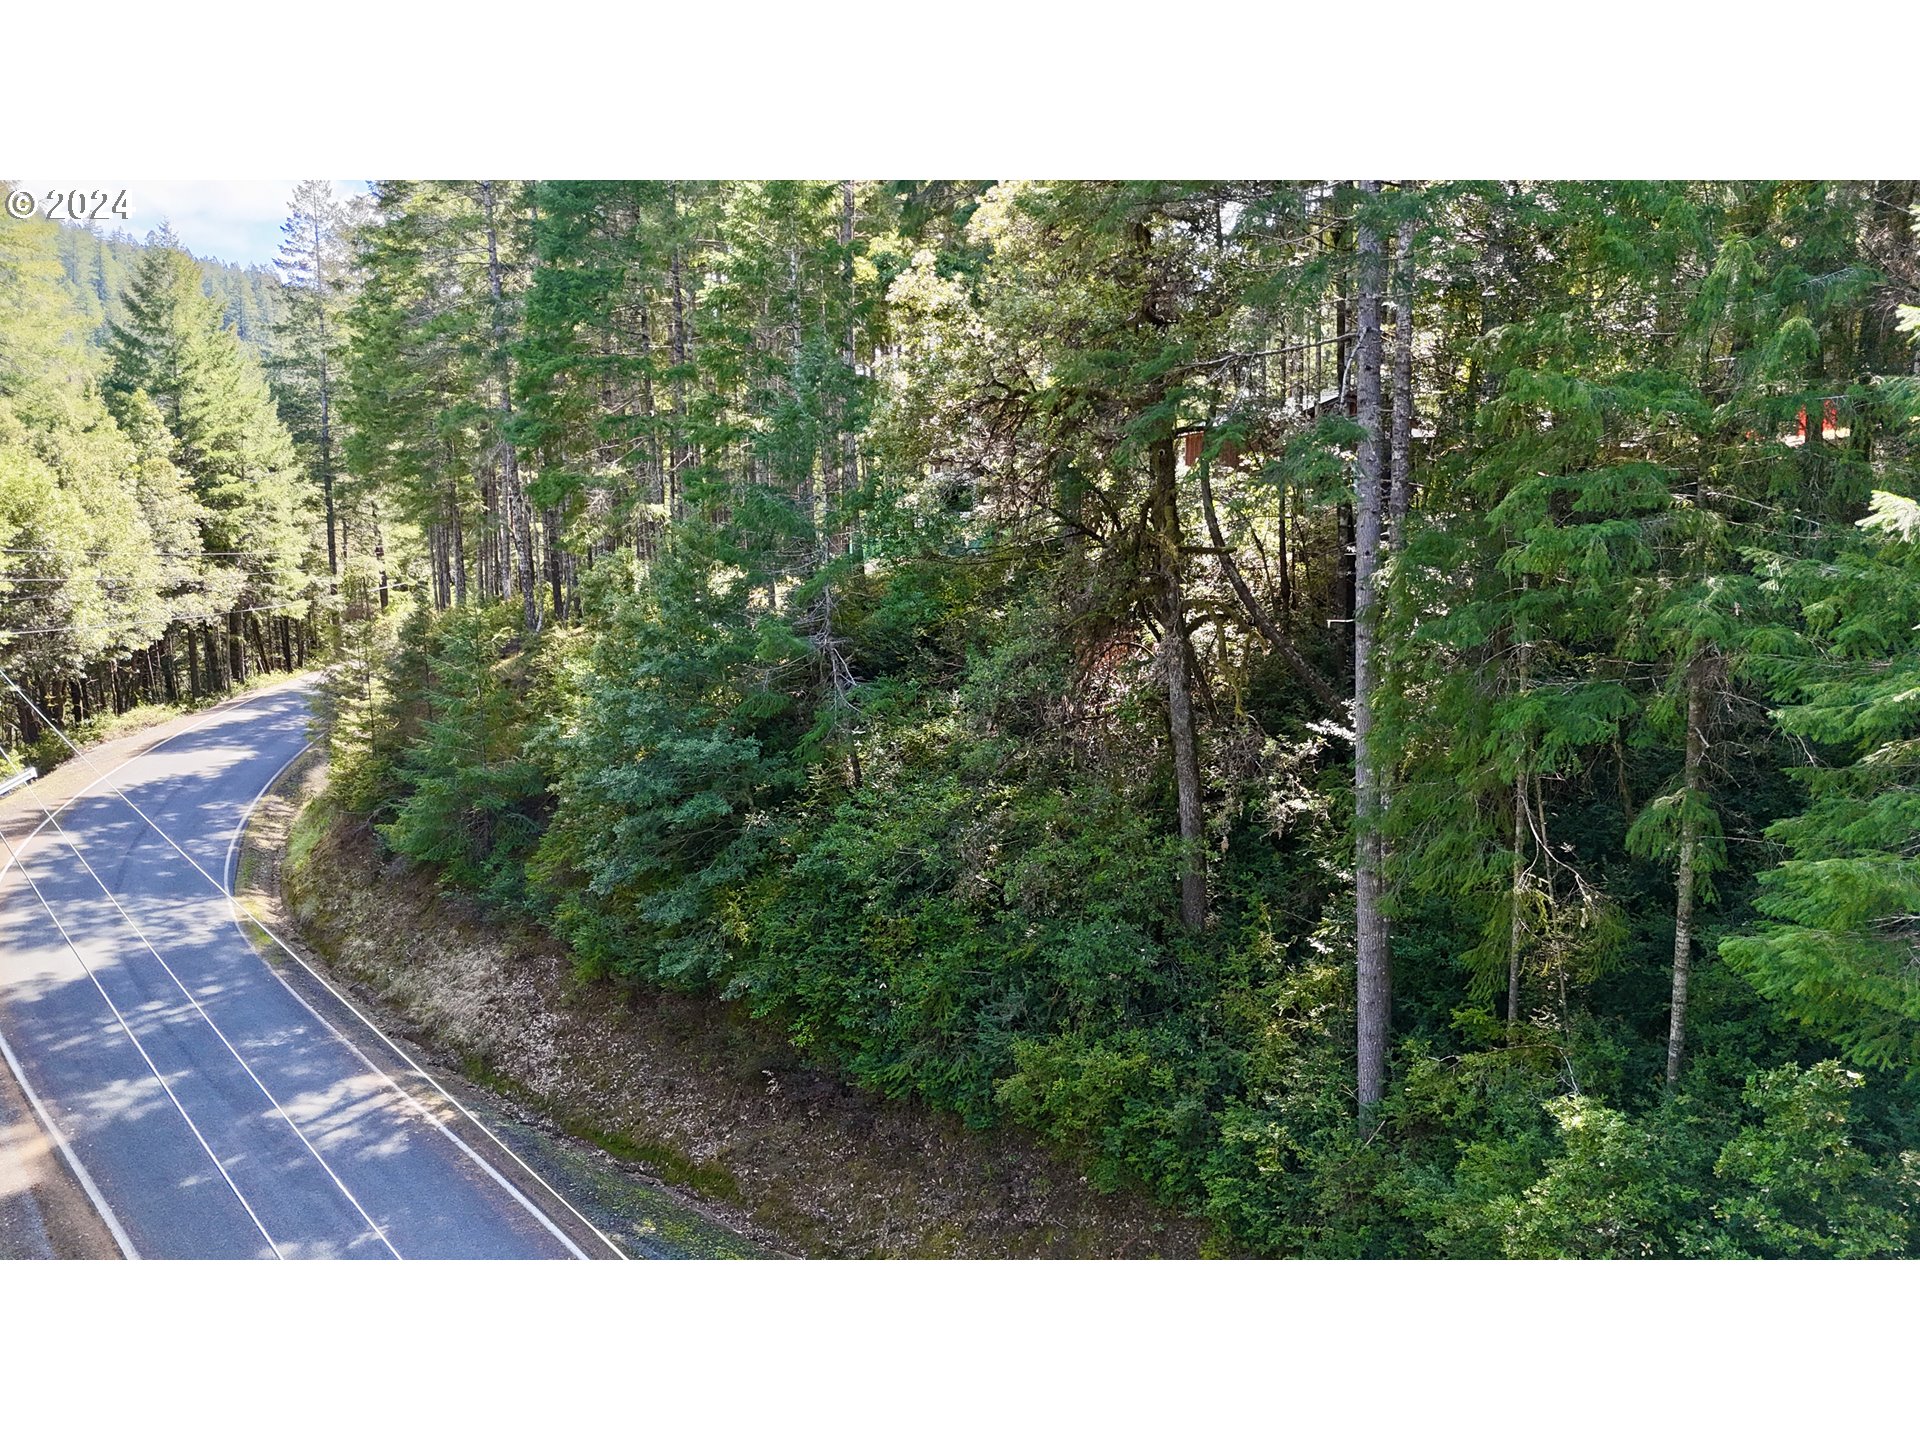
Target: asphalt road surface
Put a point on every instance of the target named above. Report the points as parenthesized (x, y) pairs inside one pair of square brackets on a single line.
[(210, 1104)]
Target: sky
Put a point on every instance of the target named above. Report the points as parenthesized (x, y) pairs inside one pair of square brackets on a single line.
[(233, 220)]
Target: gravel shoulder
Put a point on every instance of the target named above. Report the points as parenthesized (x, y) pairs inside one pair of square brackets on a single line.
[(625, 1204), (44, 1214)]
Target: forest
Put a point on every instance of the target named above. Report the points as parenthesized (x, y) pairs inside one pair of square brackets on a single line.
[(1382, 715)]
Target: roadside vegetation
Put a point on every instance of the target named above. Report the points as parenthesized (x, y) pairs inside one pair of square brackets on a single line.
[(1381, 717)]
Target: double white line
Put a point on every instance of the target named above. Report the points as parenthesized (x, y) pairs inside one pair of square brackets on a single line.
[(80, 1171), (92, 1190)]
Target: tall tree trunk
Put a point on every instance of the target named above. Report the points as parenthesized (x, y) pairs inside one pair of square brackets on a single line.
[(459, 557), (437, 563), (550, 532), (325, 386), (1345, 582), (236, 648), (1684, 872), (1286, 556), (519, 512), (1345, 579), (841, 539), (677, 341), (1516, 930), (169, 670), (326, 454), (380, 554), (1373, 975), (29, 721), (645, 546), (1173, 659), (1402, 483), (1516, 920)]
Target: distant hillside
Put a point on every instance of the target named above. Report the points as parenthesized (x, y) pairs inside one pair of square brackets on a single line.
[(99, 265)]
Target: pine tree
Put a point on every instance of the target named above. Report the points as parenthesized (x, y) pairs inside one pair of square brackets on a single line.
[(310, 337), (431, 406), (1751, 353), (90, 515), (227, 439), (410, 410), (594, 362)]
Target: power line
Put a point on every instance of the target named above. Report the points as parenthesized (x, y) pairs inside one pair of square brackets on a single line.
[(102, 624), (191, 619), (160, 554)]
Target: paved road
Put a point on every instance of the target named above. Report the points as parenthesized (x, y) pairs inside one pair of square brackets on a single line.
[(211, 1108)]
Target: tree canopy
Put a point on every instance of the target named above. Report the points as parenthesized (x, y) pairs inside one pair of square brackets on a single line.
[(1381, 714)]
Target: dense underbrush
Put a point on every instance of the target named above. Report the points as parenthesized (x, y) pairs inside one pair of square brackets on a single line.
[(960, 892)]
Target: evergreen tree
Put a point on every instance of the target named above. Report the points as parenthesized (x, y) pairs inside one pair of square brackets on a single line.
[(310, 336), (1836, 949), (227, 438), (921, 611), (92, 515)]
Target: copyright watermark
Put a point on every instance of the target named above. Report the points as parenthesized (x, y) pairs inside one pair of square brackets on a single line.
[(83, 206)]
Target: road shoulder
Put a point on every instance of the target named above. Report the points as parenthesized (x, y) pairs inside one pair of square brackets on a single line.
[(595, 1191), (44, 1212)]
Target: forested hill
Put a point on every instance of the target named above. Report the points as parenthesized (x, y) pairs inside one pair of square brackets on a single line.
[(161, 535), (1385, 715), (98, 266)]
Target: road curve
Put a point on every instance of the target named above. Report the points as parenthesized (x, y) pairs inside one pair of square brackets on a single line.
[(209, 1110)]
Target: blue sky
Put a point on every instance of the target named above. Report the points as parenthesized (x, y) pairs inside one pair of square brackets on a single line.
[(233, 220)]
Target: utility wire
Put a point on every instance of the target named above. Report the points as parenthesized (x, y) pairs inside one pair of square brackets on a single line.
[(160, 554), (191, 619)]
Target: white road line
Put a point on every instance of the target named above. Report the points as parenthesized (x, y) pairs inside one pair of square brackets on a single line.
[(80, 1171), (412, 1065), (26, 875), (213, 713), (193, 1000)]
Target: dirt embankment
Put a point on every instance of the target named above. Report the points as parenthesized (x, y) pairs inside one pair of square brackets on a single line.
[(693, 1091)]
